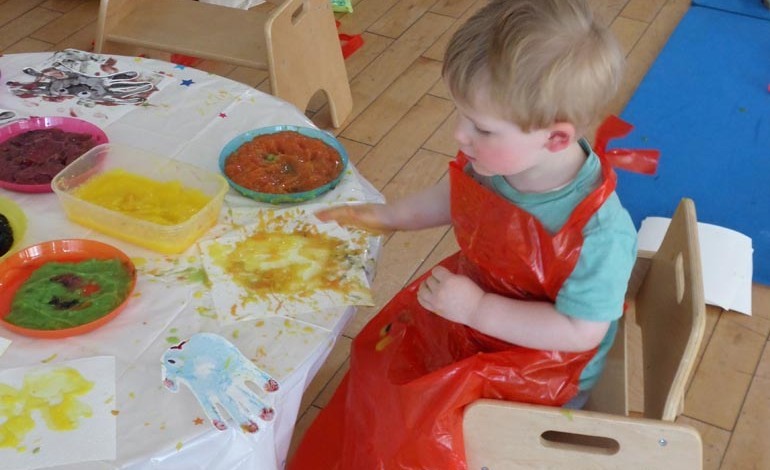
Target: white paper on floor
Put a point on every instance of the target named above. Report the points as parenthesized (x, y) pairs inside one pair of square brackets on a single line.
[(726, 259)]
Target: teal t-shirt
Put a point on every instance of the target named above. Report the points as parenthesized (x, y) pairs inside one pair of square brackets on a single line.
[(596, 288)]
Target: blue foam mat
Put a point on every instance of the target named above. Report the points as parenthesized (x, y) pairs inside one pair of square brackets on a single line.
[(753, 8), (705, 105)]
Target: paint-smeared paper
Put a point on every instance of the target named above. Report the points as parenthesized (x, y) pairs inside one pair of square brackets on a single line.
[(93, 86), (217, 373), (57, 414), (287, 263)]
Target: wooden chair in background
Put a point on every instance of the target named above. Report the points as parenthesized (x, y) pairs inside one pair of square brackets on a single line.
[(294, 40), (666, 298)]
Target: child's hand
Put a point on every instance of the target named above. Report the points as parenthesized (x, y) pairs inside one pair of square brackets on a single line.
[(369, 217), (450, 295)]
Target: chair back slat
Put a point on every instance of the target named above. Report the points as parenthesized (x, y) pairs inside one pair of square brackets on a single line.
[(671, 312)]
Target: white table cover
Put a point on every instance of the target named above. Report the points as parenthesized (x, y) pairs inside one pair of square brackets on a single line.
[(190, 117)]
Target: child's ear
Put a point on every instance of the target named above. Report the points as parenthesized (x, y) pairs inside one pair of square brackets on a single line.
[(560, 136)]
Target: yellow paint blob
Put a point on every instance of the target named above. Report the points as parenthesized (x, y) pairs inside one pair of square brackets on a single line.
[(53, 394), (164, 203), (293, 264)]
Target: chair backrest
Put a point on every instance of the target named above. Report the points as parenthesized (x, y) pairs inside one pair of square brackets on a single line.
[(666, 291), (305, 31), (671, 311)]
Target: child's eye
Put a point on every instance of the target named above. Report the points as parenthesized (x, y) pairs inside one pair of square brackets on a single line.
[(482, 131)]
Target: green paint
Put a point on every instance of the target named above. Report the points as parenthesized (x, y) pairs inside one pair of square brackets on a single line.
[(49, 358), (94, 288), (194, 274), (206, 312)]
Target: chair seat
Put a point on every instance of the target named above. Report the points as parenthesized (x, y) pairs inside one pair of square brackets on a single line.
[(523, 436)]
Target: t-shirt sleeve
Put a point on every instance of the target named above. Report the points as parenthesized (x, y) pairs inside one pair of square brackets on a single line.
[(596, 288)]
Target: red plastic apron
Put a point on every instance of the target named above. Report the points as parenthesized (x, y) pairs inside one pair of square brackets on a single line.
[(412, 372)]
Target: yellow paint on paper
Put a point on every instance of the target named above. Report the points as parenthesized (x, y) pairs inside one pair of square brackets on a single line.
[(296, 265), (53, 394)]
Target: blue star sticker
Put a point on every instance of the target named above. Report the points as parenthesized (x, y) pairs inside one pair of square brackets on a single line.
[(187, 82), (179, 66)]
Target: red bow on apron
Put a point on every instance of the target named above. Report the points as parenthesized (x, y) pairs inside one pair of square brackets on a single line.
[(412, 372)]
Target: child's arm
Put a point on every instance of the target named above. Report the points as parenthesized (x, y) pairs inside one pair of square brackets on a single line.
[(427, 208), (526, 323)]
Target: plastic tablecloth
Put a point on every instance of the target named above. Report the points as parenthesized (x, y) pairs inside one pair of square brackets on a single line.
[(189, 115)]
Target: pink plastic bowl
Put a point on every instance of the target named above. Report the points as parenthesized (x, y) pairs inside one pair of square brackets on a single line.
[(67, 124)]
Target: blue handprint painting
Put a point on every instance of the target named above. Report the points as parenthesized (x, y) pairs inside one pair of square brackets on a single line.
[(217, 373)]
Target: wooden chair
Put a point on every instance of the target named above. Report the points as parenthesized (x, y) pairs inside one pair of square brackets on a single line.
[(294, 40), (666, 291)]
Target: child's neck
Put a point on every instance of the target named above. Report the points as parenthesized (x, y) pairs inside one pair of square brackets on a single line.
[(557, 170)]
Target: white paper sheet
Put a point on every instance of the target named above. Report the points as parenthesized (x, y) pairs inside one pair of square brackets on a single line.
[(281, 249), (4, 343), (59, 413), (726, 259)]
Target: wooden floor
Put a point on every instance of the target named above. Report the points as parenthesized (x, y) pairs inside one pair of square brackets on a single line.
[(399, 136)]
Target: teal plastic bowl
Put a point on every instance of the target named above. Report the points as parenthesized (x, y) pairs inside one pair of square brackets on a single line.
[(287, 198)]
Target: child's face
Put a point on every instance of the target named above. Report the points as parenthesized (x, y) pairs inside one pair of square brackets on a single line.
[(496, 146)]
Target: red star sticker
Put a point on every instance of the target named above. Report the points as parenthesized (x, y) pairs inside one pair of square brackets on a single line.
[(222, 115), (198, 421)]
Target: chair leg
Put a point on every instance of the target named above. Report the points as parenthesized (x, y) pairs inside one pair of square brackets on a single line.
[(305, 56), (340, 104)]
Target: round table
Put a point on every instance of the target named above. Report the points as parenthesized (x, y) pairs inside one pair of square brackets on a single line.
[(188, 115)]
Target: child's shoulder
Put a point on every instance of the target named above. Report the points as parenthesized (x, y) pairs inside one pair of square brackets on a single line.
[(612, 217)]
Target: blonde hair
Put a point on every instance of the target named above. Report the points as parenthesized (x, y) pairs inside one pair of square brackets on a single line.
[(538, 62)]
